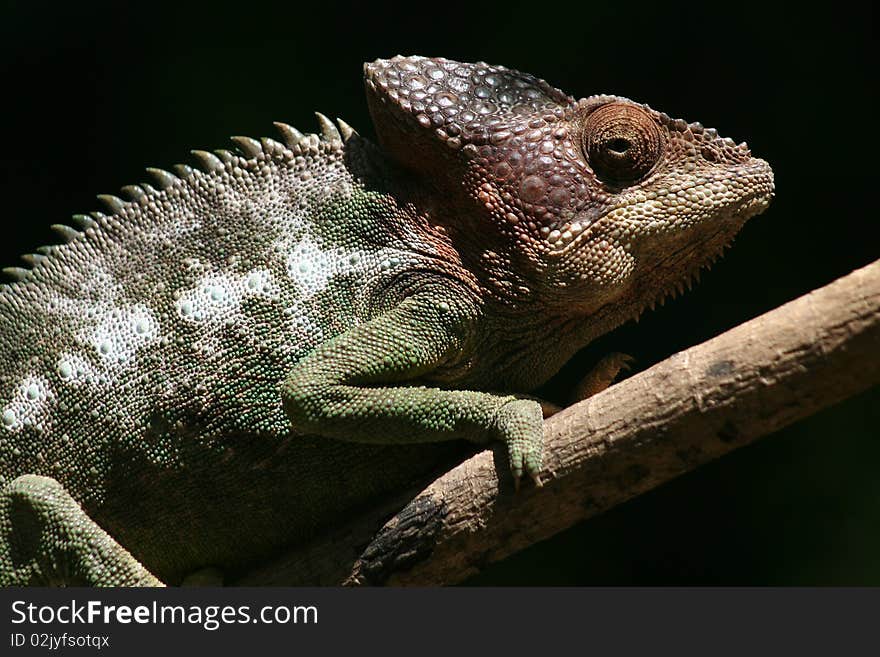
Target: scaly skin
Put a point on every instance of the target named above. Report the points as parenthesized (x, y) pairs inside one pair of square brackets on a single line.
[(226, 365)]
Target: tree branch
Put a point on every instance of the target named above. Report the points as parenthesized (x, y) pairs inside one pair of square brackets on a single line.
[(693, 407)]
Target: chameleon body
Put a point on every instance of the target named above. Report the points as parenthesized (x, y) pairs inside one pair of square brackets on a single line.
[(228, 360)]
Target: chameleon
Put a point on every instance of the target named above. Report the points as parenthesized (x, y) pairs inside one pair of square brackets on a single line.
[(235, 355)]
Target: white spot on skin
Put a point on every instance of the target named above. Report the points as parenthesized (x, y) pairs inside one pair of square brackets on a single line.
[(31, 402), (217, 298), (121, 332), (76, 370), (313, 268), (260, 282), (113, 333)]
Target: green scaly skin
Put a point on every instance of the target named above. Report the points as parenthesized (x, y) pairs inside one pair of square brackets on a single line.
[(228, 362)]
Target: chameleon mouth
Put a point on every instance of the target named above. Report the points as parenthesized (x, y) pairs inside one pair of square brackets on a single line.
[(680, 268), (757, 176), (755, 204), (744, 191)]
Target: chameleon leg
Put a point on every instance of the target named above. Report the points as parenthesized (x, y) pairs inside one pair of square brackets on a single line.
[(596, 380), (368, 385), (46, 539), (601, 376), (548, 408)]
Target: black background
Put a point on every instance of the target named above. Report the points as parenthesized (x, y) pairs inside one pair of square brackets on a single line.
[(94, 93)]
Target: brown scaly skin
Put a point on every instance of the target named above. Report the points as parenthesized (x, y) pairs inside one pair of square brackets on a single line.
[(230, 363), (556, 224)]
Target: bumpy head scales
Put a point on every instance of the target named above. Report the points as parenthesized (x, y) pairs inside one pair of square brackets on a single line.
[(608, 198)]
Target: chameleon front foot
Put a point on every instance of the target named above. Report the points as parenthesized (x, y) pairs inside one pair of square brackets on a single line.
[(521, 425)]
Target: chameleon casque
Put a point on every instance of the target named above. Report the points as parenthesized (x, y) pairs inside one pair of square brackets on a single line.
[(229, 360)]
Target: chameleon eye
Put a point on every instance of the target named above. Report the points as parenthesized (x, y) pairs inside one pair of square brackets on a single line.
[(622, 143)]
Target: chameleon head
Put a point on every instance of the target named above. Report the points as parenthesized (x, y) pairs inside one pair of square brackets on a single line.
[(597, 202)]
